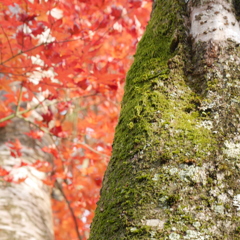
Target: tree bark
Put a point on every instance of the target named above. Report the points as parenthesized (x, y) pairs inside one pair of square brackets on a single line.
[(174, 171), (25, 208)]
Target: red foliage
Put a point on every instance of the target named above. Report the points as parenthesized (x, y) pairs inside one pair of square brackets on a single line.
[(15, 148), (67, 61)]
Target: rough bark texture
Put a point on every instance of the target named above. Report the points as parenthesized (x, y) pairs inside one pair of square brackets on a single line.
[(174, 172), (25, 208)]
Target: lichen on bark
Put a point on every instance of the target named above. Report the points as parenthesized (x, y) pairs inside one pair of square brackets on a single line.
[(174, 171)]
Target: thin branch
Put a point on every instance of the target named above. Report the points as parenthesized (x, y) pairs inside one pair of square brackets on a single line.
[(93, 150), (19, 100), (44, 43), (19, 113), (51, 134), (9, 117), (57, 184), (45, 130), (7, 40), (21, 52)]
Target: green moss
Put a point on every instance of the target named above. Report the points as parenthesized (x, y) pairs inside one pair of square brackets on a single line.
[(130, 125), (238, 230)]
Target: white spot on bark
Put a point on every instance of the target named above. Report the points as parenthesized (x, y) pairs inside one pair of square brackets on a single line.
[(236, 201), (223, 198), (214, 20), (194, 174), (191, 234), (232, 149), (155, 223), (173, 171), (133, 229), (197, 224), (219, 209), (190, 173), (207, 124), (155, 177), (174, 236)]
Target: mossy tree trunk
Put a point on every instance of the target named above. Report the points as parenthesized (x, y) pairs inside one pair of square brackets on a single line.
[(174, 172)]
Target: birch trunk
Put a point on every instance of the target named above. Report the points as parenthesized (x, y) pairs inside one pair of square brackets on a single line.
[(174, 171), (25, 208)]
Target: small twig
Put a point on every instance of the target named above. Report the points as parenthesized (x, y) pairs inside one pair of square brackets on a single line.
[(59, 150), (57, 184), (30, 49), (93, 150), (7, 40), (19, 113), (45, 130), (19, 100), (51, 134), (36, 106)]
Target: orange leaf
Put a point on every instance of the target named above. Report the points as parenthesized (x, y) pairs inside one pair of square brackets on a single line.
[(3, 172), (48, 182)]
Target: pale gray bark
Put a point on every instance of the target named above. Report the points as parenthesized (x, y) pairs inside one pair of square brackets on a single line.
[(25, 208)]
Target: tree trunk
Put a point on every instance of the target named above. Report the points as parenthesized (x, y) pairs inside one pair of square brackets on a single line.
[(25, 208), (174, 171)]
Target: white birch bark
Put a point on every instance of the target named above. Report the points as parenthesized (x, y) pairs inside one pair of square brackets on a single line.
[(213, 20), (25, 208)]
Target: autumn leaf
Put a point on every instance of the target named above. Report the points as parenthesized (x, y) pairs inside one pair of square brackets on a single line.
[(38, 30), (3, 172), (15, 148), (42, 166), (19, 180), (48, 116), (4, 85), (35, 134), (48, 182), (116, 12), (83, 84), (26, 18)]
